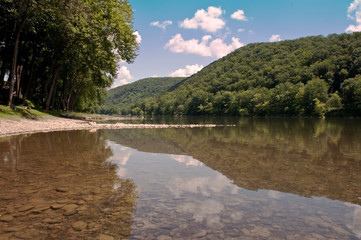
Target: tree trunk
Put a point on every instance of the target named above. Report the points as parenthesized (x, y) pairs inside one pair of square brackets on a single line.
[(52, 88), (46, 91), (13, 69), (18, 80), (69, 98), (55, 76), (5, 61), (13, 62), (72, 101), (30, 76), (54, 97), (2, 74)]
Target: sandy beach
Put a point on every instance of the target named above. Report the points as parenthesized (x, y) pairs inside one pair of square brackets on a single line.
[(48, 124)]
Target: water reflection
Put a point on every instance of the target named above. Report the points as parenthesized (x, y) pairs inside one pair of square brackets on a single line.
[(58, 186), (262, 179), (307, 157), (267, 179), (206, 186), (194, 201), (187, 160)]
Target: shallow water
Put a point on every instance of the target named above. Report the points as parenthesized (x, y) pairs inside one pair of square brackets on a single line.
[(260, 179)]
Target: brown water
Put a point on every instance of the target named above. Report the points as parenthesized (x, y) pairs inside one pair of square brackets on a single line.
[(261, 179)]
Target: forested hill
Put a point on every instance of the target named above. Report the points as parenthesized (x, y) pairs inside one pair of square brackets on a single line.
[(121, 98), (308, 76)]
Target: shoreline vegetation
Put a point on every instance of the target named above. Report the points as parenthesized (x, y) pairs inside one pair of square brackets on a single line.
[(24, 121), (15, 122)]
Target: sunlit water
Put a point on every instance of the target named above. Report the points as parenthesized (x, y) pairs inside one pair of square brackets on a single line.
[(260, 179)]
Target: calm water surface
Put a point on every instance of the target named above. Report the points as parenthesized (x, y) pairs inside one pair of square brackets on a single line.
[(260, 179)]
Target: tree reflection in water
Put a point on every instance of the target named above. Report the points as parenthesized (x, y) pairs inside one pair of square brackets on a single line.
[(307, 157), (272, 178)]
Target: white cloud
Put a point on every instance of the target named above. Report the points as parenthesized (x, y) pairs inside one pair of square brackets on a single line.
[(220, 49), (123, 77), (186, 72), (179, 45), (215, 48), (354, 13), (275, 38), (241, 30), (209, 20), (162, 25), (123, 72), (239, 15), (138, 37)]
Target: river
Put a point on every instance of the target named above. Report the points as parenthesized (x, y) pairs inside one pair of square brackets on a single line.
[(252, 178)]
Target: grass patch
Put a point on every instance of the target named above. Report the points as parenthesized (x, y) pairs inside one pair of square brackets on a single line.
[(20, 112)]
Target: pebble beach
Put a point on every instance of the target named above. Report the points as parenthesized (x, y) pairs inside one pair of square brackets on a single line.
[(49, 124)]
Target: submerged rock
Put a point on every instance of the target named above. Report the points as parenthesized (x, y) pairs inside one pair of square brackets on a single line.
[(164, 237), (6, 218), (57, 206), (79, 226), (52, 220), (62, 189), (26, 208), (105, 237), (201, 233)]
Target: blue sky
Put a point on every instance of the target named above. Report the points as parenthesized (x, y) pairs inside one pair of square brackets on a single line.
[(178, 38)]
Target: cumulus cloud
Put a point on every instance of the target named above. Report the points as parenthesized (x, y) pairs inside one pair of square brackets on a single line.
[(123, 77), (209, 20), (138, 37), (207, 48), (275, 38), (179, 45), (239, 15), (163, 25), (186, 72), (354, 13), (220, 49), (241, 30)]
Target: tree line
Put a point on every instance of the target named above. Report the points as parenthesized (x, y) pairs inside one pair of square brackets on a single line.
[(120, 99), (311, 76), (62, 54)]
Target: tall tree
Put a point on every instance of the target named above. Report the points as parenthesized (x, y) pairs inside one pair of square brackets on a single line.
[(85, 37)]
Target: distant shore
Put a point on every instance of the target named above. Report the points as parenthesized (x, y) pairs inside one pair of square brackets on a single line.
[(49, 124)]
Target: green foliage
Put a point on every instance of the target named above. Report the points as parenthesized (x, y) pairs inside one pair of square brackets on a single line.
[(68, 50), (319, 108), (312, 96), (334, 102), (124, 96), (351, 90), (299, 77), (28, 104)]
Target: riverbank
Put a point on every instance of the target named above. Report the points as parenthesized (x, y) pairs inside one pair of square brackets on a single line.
[(48, 124)]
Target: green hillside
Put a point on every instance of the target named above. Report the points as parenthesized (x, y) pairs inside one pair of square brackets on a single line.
[(121, 98), (312, 76)]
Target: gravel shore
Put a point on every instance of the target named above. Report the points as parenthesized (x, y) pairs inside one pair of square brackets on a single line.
[(22, 126)]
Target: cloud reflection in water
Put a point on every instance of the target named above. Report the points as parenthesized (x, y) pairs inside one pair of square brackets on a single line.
[(198, 188), (187, 160)]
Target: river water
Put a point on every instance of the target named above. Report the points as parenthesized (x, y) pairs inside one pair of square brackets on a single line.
[(254, 179)]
